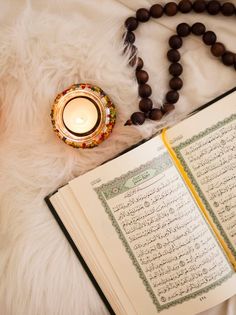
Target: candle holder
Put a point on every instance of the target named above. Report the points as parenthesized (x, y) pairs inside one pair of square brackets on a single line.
[(83, 116)]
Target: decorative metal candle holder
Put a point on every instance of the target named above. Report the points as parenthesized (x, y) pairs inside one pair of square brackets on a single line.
[(83, 116)]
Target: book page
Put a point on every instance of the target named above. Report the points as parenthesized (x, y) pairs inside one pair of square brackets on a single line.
[(154, 235), (205, 145)]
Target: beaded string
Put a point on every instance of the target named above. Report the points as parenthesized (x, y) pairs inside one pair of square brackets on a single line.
[(209, 38)]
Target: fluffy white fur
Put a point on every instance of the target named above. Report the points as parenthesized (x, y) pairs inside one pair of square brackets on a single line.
[(44, 48)]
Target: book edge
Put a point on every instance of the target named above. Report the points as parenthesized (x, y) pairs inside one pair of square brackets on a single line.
[(78, 254)]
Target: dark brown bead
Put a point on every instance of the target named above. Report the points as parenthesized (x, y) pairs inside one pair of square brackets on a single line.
[(199, 6), (155, 114), (142, 15), (173, 55), (131, 23), (171, 9), (142, 76), (213, 7), (132, 52), (218, 49), (228, 58), (156, 11), (137, 118), (175, 69), (126, 47), (176, 83), (185, 6), (132, 49), (139, 63), (132, 61), (228, 9), (175, 42), (209, 38), (144, 90), (167, 108), (129, 37), (183, 29), (198, 29), (145, 104), (172, 97)]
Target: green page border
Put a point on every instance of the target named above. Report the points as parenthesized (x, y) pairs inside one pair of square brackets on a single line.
[(161, 163), (186, 143)]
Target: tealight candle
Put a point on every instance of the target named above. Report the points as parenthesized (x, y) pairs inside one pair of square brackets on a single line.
[(81, 115)]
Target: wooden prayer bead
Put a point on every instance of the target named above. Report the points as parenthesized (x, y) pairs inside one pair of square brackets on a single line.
[(183, 29), (175, 69), (144, 90), (132, 48), (185, 6), (142, 76), (218, 49), (138, 118), (139, 64), (228, 58), (175, 42), (176, 83), (155, 114), (133, 51), (213, 7), (133, 61), (131, 23), (228, 9), (171, 9), (172, 97), (199, 6), (142, 15), (198, 29), (145, 104), (167, 108), (173, 55), (209, 38), (129, 38), (156, 11)]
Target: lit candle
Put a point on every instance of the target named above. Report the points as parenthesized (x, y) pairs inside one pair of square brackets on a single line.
[(83, 115), (80, 115)]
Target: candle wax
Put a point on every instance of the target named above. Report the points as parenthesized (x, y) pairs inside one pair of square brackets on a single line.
[(80, 115)]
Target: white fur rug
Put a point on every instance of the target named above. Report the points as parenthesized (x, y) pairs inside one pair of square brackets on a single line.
[(45, 46)]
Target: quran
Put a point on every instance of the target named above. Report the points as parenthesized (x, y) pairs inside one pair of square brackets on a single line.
[(155, 228)]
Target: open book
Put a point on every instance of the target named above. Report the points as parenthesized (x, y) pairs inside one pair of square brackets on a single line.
[(157, 225)]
